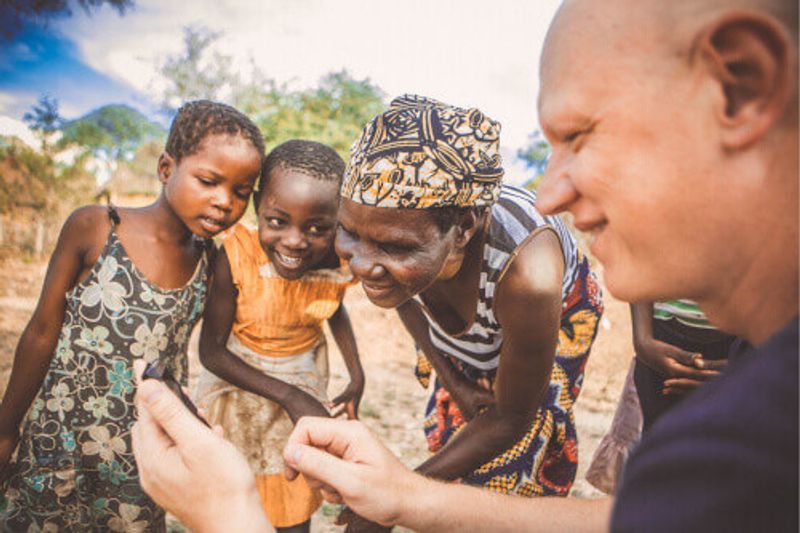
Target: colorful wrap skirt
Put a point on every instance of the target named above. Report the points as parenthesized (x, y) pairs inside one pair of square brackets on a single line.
[(544, 461)]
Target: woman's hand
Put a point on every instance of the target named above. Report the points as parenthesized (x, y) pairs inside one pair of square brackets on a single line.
[(190, 470), (472, 399)]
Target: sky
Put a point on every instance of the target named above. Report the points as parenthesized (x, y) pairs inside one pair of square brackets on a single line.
[(470, 53)]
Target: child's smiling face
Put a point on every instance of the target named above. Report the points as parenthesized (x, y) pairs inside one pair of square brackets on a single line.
[(297, 220)]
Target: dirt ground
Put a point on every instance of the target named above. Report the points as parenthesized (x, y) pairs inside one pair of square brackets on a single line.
[(393, 401)]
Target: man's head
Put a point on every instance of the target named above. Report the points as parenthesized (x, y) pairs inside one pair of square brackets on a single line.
[(674, 133)]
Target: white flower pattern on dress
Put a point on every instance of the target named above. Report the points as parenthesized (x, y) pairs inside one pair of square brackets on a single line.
[(126, 521), (61, 401), (95, 339), (105, 290), (103, 444), (149, 343)]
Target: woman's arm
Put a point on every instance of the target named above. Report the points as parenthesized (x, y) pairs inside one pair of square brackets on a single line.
[(217, 323), (470, 397), (38, 341), (342, 332), (528, 308)]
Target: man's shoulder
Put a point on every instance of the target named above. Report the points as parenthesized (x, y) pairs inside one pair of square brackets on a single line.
[(728, 456)]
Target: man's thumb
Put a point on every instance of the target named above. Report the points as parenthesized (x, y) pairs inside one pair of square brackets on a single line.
[(169, 413)]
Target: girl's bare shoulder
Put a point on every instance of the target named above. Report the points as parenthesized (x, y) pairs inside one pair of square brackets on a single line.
[(86, 230)]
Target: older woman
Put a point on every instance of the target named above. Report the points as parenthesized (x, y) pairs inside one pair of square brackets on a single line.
[(497, 297)]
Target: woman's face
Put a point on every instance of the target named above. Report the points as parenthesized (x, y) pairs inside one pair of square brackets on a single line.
[(397, 253)]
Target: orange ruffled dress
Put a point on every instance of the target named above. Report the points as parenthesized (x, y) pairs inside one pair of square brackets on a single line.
[(278, 330)]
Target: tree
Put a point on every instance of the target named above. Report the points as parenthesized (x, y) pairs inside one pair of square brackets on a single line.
[(193, 74), (332, 113), (44, 119), (14, 14), (535, 155)]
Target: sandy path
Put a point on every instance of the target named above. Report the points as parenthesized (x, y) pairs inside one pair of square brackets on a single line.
[(393, 401)]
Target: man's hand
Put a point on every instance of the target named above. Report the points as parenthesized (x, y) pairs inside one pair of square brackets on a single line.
[(189, 469), (348, 463), (684, 371)]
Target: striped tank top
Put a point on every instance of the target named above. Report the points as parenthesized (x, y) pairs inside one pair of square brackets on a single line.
[(514, 221)]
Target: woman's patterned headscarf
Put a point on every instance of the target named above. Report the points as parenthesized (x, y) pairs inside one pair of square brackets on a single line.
[(421, 153)]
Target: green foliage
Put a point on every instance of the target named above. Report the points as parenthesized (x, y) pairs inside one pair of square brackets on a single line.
[(332, 113), (15, 13), (535, 155), (44, 119), (116, 129), (29, 179), (193, 75)]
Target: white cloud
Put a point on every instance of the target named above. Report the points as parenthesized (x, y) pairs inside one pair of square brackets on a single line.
[(16, 128), (465, 52)]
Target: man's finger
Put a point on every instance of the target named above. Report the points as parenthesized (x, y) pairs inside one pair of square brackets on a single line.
[(321, 466), (332, 435)]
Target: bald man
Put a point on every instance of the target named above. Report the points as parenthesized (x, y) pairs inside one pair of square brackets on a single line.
[(674, 128)]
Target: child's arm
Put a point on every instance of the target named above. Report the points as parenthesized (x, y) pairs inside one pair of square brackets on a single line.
[(689, 370), (217, 323), (343, 334), (38, 341)]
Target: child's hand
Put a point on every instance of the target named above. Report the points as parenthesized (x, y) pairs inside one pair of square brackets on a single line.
[(358, 524), (684, 371), (348, 401), (8, 443), (300, 404)]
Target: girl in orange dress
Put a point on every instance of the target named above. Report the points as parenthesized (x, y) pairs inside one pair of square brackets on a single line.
[(262, 342)]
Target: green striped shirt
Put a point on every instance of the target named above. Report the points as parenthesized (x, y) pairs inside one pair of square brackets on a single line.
[(684, 311)]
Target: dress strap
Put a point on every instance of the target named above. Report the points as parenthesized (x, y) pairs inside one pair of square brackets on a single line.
[(113, 215)]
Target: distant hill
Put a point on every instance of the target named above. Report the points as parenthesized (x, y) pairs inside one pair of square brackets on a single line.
[(115, 128)]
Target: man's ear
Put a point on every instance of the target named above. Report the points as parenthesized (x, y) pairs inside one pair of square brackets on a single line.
[(753, 58), (166, 166), (468, 224)]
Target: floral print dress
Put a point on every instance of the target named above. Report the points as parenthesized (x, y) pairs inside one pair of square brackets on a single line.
[(75, 469)]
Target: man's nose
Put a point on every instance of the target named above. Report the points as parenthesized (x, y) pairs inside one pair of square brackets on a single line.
[(556, 192)]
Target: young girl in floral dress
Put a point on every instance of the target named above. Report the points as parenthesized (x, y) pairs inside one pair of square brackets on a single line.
[(121, 284)]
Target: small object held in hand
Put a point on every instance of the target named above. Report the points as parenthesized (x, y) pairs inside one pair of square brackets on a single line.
[(158, 370)]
